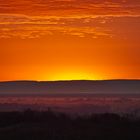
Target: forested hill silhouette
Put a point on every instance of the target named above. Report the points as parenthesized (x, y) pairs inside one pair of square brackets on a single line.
[(71, 87)]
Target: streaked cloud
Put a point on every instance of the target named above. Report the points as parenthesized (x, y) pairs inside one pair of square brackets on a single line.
[(23, 26), (32, 26), (32, 18), (70, 7)]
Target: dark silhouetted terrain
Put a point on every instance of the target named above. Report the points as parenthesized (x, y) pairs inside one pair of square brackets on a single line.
[(49, 125), (53, 125), (71, 87)]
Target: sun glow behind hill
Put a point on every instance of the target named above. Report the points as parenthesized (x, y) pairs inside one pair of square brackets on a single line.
[(74, 75)]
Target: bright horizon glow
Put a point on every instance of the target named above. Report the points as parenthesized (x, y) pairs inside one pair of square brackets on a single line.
[(72, 75)]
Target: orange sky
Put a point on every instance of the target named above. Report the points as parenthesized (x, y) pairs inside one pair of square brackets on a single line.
[(69, 39)]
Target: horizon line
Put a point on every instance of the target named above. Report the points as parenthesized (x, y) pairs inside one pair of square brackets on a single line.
[(129, 79)]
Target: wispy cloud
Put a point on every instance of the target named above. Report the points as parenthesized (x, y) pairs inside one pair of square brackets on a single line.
[(31, 18), (33, 26), (70, 7)]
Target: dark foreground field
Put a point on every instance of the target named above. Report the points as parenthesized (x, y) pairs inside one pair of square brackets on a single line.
[(34, 125)]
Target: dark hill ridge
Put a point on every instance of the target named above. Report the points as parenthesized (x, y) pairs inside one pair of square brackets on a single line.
[(71, 87)]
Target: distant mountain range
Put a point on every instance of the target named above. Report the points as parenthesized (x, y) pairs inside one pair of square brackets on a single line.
[(70, 87)]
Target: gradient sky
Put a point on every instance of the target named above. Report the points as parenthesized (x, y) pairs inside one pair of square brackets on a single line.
[(69, 39)]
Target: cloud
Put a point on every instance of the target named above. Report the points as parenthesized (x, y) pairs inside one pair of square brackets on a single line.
[(95, 26), (35, 26), (31, 18), (70, 7)]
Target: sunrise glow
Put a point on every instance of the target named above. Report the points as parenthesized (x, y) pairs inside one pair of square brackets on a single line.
[(73, 75)]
